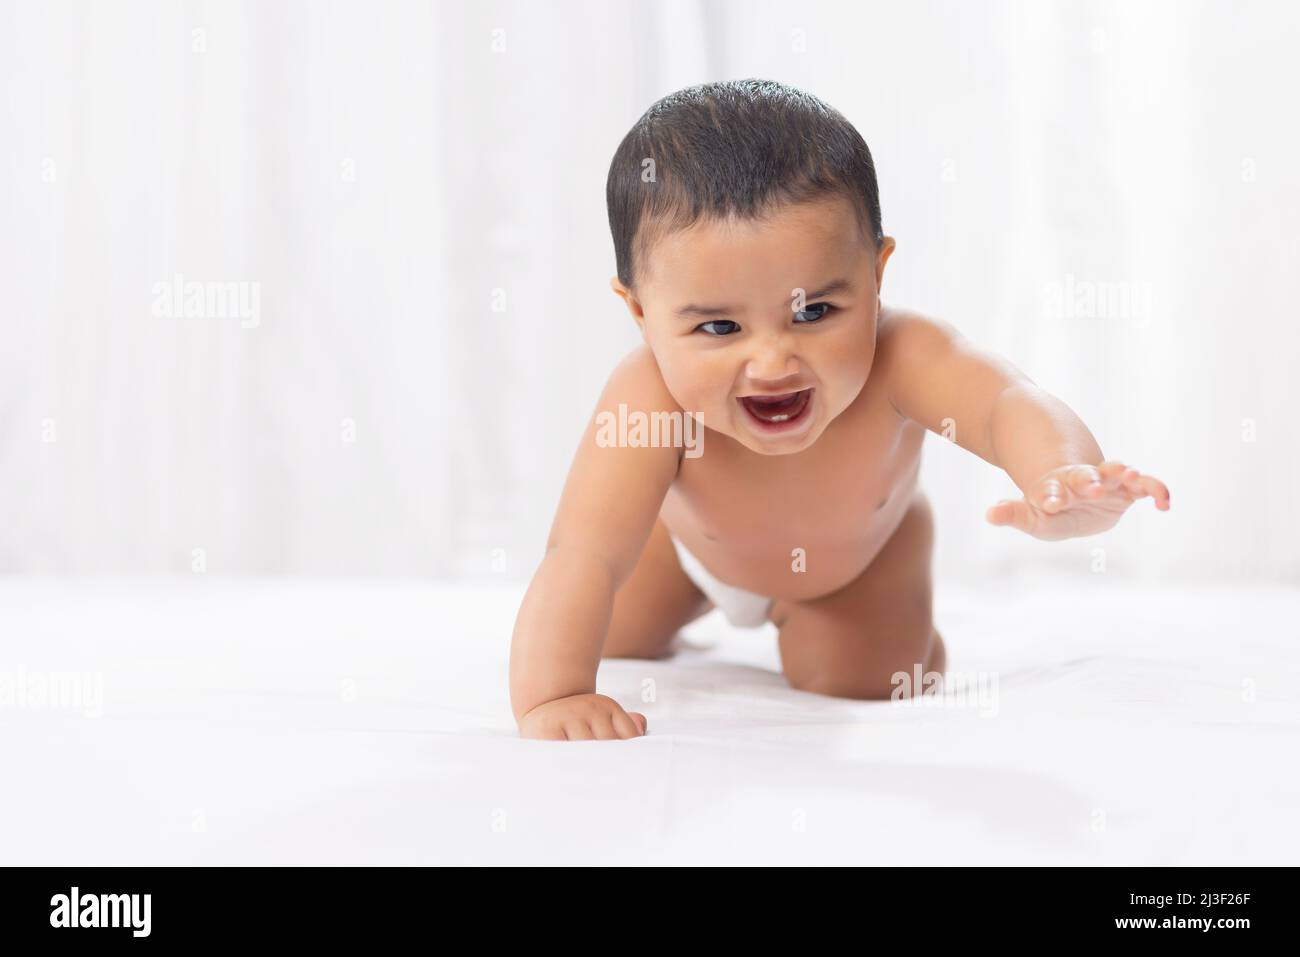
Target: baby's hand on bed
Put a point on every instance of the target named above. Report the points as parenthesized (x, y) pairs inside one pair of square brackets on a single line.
[(582, 717), (1077, 500)]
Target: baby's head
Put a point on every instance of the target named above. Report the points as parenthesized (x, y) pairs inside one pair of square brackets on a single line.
[(746, 225)]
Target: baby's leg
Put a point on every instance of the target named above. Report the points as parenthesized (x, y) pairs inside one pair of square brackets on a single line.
[(654, 603), (850, 643)]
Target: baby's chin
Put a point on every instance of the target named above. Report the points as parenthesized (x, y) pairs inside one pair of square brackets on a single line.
[(782, 447), (773, 452)]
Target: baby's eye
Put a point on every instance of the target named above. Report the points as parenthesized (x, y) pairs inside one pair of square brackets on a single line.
[(817, 310), (718, 327)]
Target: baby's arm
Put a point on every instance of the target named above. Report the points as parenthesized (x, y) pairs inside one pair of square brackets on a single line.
[(607, 510), (989, 407)]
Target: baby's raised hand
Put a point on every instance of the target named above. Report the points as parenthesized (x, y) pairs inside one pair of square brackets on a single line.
[(582, 717), (1077, 500)]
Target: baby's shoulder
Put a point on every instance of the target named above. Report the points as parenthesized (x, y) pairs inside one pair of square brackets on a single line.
[(901, 329), (905, 337), (637, 382)]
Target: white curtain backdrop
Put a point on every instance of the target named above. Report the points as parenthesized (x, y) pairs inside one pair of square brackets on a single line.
[(415, 192)]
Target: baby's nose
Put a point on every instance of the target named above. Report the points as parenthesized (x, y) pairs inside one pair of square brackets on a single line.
[(772, 361)]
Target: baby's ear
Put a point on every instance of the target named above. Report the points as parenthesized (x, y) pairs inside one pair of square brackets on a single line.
[(629, 298), (884, 250)]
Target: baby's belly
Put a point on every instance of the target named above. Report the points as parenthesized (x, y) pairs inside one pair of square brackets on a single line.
[(791, 554)]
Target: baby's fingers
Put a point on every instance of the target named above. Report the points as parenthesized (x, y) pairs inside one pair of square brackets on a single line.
[(578, 729), (1143, 485), (1085, 481), (627, 726), (1112, 472), (1052, 495), (1016, 514), (602, 726)]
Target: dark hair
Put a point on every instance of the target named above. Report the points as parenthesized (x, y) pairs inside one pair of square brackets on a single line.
[(740, 147)]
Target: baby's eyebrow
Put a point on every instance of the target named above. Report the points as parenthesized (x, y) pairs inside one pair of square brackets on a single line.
[(712, 312), (832, 287), (688, 311)]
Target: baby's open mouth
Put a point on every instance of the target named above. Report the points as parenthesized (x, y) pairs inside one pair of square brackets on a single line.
[(779, 411)]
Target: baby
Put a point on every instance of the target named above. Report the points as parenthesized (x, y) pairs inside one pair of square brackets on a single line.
[(748, 241)]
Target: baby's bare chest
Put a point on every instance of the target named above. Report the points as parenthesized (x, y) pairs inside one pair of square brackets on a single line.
[(745, 516)]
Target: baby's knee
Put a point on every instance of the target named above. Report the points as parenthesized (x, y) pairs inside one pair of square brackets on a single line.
[(854, 687), (920, 672), (937, 663)]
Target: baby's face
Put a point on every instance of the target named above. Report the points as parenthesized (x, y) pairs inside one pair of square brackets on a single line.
[(766, 328)]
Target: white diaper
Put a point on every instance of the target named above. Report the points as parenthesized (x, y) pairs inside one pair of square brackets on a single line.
[(742, 608)]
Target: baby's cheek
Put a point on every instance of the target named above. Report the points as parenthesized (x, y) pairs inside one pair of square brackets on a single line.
[(696, 387), (681, 384), (847, 372), (695, 399)]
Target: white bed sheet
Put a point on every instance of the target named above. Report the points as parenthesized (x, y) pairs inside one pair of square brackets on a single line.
[(329, 723)]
